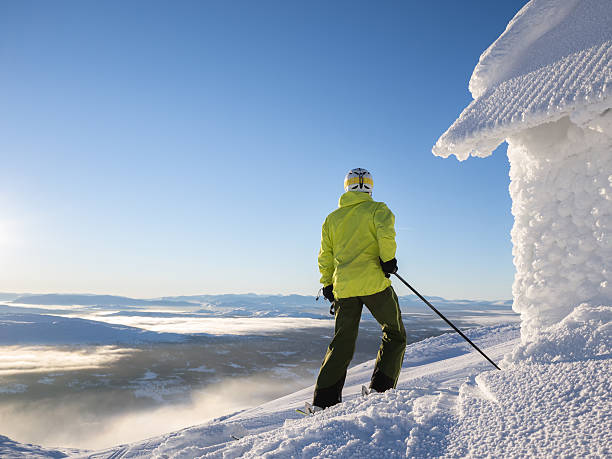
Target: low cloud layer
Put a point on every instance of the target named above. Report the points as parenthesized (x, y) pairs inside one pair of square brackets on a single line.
[(47, 359), (213, 325)]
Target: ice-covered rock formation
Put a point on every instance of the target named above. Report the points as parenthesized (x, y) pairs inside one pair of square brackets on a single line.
[(545, 87)]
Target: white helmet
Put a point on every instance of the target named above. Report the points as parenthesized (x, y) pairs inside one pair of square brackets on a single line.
[(359, 180)]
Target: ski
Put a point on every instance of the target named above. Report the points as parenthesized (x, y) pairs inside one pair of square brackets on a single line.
[(308, 409)]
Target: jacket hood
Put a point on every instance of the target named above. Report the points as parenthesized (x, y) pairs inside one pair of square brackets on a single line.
[(353, 197)]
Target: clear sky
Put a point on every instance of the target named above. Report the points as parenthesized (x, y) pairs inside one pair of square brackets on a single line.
[(163, 148)]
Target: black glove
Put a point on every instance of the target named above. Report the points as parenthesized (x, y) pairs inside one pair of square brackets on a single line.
[(388, 267), (328, 293)]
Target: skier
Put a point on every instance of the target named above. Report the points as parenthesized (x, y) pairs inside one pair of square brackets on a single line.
[(356, 259)]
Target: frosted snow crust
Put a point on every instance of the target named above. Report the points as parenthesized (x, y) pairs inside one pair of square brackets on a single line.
[(555, 57), (561, 189), (579, 82), (585, 334), (551, 399), (541, 33), (537, 410)]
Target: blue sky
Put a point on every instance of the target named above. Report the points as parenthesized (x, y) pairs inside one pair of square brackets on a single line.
[(164, 148)]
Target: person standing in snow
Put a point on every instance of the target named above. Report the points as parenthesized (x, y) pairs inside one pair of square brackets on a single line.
[(356, 259)]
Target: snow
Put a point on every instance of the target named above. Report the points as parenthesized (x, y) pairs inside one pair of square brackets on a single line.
[(552, 410), (542, 32), (545, 87), (562, 205), (554, 59), (584, 334), (10, 449)]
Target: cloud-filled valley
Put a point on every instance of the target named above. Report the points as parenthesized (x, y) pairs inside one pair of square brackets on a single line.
[(180, 361)]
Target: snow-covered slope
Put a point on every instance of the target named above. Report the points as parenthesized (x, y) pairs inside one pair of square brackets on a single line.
[(451, 407), (10, 449), (454, 406)]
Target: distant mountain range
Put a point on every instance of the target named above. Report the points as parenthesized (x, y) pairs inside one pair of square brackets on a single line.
[(239, 305), (94, 300), (78, 318)]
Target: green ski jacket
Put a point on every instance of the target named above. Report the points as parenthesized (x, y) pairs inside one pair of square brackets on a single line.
[(353, 237)]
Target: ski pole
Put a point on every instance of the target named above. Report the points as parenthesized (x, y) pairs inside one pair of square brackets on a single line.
[(446, 320)]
